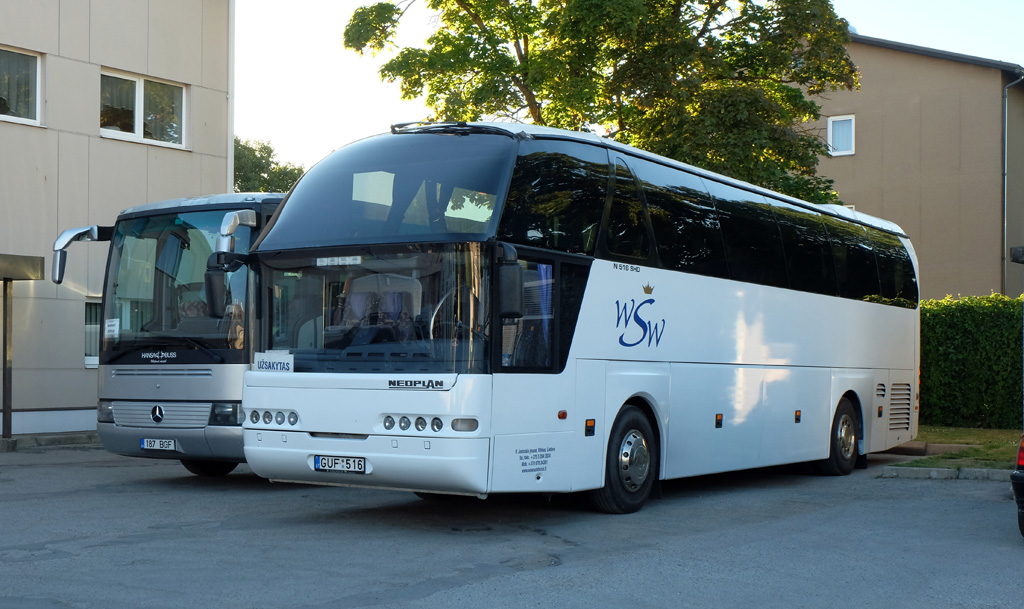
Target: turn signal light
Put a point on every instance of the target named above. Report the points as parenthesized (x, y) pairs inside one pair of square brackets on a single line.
[(1020, 455)]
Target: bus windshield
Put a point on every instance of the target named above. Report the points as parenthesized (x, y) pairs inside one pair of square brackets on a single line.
[(397, 189), (155, 297), (397, 308)]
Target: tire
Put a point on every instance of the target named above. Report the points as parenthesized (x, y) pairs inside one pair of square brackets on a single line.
[(631, 465), (1020, 521), (842, 442), (209, 469)]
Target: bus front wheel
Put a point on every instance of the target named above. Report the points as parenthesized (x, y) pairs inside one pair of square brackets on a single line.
[(631, 465), (842, 454), (209, 469)]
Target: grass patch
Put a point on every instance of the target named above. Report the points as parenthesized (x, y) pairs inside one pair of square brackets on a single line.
[(992, 448)]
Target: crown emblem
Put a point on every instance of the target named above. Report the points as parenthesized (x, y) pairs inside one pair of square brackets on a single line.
[(648, 288)]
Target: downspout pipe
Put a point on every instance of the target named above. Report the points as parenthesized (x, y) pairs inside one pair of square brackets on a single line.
[(1006, 194)]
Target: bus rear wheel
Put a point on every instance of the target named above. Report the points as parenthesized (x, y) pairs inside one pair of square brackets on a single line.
[(842, 456), (209, 469), (631, 465)]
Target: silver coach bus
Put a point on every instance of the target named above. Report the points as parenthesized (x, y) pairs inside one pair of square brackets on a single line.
[(171, 361)]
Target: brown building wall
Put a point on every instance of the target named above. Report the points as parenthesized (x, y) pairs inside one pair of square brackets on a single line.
[(928, 156)]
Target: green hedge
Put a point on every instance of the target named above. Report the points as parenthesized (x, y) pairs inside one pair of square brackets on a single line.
[(971, 361)]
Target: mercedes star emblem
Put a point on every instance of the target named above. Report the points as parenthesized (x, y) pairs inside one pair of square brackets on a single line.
[(157, 414)]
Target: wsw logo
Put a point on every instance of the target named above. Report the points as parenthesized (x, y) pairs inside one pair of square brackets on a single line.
[(637, 326)]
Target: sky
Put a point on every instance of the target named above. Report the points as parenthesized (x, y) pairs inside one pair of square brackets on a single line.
[(297, 87)]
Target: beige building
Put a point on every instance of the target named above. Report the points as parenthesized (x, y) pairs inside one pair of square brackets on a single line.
[(104, 104), (922, 144)]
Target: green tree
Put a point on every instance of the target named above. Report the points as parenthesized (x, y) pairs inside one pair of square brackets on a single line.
[(724, 85), (256, 169)]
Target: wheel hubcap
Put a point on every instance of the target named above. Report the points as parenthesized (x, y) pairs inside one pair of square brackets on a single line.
[(634, 461), (846, 435)]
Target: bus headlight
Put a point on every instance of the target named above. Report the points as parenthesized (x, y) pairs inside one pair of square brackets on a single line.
[(404, 423), (105, 412), (421, 424), (254, 417), (436, 424), (389, 422), (226, 413)]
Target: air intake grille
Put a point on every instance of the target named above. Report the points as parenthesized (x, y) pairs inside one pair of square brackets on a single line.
[(880, 390), (164, 372), (899, 407)]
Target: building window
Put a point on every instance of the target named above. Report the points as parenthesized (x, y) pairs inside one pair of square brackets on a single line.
[(140, 109), (840, 135), (19, 86), (93, 311)]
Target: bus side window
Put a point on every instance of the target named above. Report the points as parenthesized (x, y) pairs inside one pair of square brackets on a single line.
[(753, 244), (686, 230), (556, 196), (527, 341), (808, 251), (895, 270), (626, 227), (856, 268)]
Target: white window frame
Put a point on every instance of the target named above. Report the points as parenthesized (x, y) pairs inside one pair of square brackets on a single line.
[(39, 89), (853, 135), (137, 135)]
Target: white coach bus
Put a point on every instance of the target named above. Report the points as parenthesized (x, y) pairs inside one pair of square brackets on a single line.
[(492, 308), (170, 374)]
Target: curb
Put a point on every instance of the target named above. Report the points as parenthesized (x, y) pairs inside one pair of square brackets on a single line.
[(940, 473), (73, 438)]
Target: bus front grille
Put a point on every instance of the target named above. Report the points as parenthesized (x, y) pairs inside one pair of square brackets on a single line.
[(162, 414)]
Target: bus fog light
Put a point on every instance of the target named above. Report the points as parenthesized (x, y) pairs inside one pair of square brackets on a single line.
[(404, 423), (421, 424), (105, 412), (389, 422), (268, 417), (436, 424), (465, 424), (254, 416), (293, 418), (279, 418)]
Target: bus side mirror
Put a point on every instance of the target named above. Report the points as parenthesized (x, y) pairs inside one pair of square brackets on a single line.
[(217, 267), (85, 233), (216, 289), (60, 260), (510, 283)]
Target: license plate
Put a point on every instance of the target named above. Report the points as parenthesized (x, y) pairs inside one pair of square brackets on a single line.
[(345, 465), (153, 444)]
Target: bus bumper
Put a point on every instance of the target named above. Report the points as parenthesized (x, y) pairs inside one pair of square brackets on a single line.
[(214, 442), (445, 465)]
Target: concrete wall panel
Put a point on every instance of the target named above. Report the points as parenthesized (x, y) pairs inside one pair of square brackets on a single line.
[(121, 34), (73, 96), (216, 25), (74, 29), (30, 25), (176, 40)]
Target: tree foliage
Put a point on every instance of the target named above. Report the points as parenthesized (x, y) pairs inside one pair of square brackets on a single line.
[(256, 169), (727, 85)]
